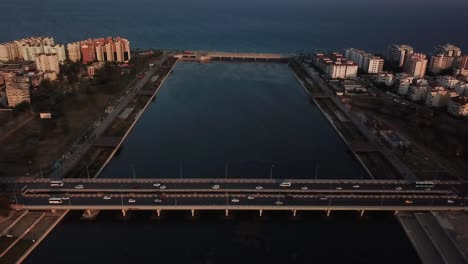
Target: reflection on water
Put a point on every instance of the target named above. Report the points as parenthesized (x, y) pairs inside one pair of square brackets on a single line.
[(242, 237), (252, 120)]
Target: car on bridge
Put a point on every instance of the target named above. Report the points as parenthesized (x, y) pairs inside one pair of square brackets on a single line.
[(215, 187), (285, 184)]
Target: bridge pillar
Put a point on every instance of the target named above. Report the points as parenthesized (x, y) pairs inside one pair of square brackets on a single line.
[(362, 213), (158, 212), (124, 212), (294, 212), (328, 212), (227, 212), (193, 212), (260, 212)]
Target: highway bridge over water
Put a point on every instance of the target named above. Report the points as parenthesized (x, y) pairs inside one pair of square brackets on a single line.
[(238, 194)]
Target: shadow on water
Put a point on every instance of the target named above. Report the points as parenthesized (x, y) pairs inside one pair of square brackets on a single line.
[(241, 237)]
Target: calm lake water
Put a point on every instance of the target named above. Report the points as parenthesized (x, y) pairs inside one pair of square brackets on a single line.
[(248, 116)]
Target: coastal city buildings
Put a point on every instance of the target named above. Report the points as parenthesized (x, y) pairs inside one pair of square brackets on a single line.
[(439, 63), (462, 66), (461, 88), (335, 66), (448, 50), (17, 88), (100, 49), (397, 54), (367, 62), (415, 65), (27, 49), (447, 81), (74, 53), (48, 64)]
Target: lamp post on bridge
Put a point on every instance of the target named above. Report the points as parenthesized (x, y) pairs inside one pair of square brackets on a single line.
[(133, 172)]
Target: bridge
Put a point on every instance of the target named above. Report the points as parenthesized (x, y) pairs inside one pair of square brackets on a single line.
[(232, 56), (237, 194)]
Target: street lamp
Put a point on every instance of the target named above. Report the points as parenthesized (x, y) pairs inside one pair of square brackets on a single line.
[(133, 171)]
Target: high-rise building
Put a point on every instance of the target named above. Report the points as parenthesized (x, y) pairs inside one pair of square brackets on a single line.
[(74, 53), (397, 54), (47, 62), (17, 88), (87, 53), (25, 49), (448, 50), (440, 63), (367, 62), (461, 67), (335, 66), (57, 49), (415, 65), (101, 49)]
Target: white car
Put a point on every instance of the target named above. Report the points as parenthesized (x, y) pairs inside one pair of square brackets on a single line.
[(235, 200), (278, 202), (65, 198), (107, 197), (131, 200), (285, 184), (450, 201), (251, 197), (157, 200), (323, 198), (398, 188), (339, 188), (163, 187), (304, 188), (355, 186), (215, 187), (259, 188), (156, 184), (79, 186), (9, 235)]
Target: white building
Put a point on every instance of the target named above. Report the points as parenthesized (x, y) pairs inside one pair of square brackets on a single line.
[(367, 62), (74, 52), (458, 106), (415, 65), (48, 64), (336, 66), (397, 54)]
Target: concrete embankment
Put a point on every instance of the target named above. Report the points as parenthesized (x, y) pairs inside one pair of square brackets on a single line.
[(140, 113), (25, 233)]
